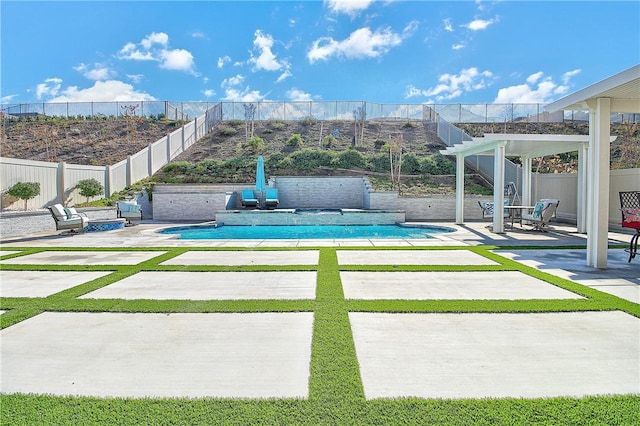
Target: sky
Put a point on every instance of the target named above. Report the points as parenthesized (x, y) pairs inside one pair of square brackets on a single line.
[(387, 51)]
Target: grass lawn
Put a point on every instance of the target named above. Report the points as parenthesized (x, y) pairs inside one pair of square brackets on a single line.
[(336, 394)]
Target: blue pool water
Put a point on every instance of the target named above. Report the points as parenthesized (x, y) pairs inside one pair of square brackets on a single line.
[(303, 232)]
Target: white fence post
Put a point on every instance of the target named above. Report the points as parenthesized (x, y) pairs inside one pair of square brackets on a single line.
[(129, 170), (195, 130), (150, 160), (168, 147), (107, 182), (61, 182), (183, 147)]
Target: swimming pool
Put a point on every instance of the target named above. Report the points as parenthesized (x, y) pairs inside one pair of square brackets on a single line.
[(304, 232)]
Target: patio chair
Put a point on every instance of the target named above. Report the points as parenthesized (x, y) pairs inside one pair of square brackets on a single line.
[(542, 213), (68, 218), (249, 199), (488, 210), (630, 208), (271, 198), (128, 210)]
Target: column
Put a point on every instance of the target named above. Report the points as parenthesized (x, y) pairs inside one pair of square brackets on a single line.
[(459, 189), (498, 187)]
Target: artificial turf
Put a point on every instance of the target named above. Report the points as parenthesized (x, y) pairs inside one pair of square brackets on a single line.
[(336, 394)]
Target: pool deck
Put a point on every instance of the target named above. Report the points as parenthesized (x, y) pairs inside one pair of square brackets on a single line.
[(267, 355)]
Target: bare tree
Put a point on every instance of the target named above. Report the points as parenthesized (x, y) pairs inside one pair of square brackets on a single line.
[(249, 116)]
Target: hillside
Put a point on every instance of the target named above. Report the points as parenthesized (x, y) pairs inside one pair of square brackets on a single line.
[(108, 141)]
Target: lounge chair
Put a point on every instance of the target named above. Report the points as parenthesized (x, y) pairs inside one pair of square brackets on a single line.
[(68, 218), (128, 210), (271, 198), (630, 209), (488, 210), (542, 213), (249, 199)]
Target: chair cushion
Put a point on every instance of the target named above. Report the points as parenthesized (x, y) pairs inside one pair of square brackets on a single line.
[(58, 211), (537, 210), (630, 217)]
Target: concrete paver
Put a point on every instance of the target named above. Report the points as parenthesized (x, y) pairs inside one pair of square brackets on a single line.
[(238, 258), (409, 257), (42, 283), (511, 285), (6, 252), (255, 355), (480, 355), (211, 286), (83, 258), (621, 278)]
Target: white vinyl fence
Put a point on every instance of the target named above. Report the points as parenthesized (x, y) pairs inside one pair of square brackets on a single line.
[(58, 180)]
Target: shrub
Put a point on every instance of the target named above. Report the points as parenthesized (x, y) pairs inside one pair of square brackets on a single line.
[(25, 191), (379, 163), (309, 159), (178, 167), (276, 125), (90, 188), (348, 159), (437, 164), (328, 141), (228, 131), (410, 164), (256, 144), (295, 140), (308, 121)]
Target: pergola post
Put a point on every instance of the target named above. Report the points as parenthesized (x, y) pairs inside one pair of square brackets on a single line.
[(581, 207), (526, 180), (459, 189), (598, 202), (498, 187)]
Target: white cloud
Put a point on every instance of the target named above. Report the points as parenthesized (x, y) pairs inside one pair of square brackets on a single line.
[(362, 43), (265, 59), (447, 25), (154, 47), (177, 59), (298, 95), (136, 78), (348, 7), (567, 76), (536, 89), (155, 38), (50, 87), (101, 91), (233, 90), (458, 46), (479, 24), (97, 72), (209, 93), (223, 60), (286, 74), (452, 86), (6, 99)]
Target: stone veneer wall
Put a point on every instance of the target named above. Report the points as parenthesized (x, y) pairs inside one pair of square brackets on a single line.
[(328, 192), (192, 202)]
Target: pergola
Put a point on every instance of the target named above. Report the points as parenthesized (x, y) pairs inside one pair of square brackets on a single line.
[(617, 94), (526, 147)]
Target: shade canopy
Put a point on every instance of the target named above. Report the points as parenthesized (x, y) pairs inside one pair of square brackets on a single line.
[(261, 185), (619, 93)]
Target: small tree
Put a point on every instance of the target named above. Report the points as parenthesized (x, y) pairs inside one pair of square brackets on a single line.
[(25, 191), (90, 188), (256, 144)]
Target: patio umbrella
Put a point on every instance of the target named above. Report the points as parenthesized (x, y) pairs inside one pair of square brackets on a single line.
[(261, 185)]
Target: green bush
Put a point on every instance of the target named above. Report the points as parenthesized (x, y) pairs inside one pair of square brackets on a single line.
[(437, 164), (308, 121), (178, 167), (277, 125), (379, 163), (228, 131), (410, 164), (309, 159), (90, 188), (349, 159), (328, 141), (295, 140), (256, 144), (25, 191)]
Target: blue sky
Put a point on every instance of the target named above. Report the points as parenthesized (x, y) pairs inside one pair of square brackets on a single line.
[(378, 51)]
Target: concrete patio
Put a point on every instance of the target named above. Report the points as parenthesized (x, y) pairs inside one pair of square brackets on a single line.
[(268, 354)]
